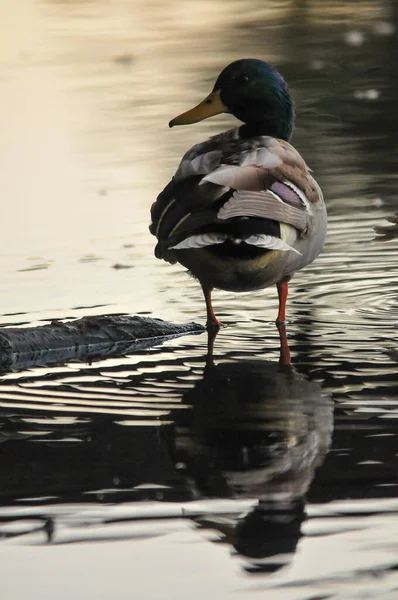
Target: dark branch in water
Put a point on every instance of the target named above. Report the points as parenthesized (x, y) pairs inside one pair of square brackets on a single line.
[(86, 339)]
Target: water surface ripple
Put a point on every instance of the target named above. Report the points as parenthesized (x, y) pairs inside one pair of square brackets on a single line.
[(163, 470)]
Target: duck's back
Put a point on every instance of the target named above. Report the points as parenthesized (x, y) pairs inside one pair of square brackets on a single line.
[(236, 188)]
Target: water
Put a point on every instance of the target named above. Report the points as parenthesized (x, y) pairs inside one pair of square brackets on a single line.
[(155, 475)]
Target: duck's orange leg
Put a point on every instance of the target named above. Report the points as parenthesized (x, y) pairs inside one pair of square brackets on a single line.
[(283, 289), (212, 321)]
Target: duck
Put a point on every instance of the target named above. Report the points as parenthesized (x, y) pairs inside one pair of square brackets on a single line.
[(242, 211)]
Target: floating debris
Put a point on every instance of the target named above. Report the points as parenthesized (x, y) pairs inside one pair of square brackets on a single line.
[(124, 59), (88, 258), (120, 266), (34, 268)]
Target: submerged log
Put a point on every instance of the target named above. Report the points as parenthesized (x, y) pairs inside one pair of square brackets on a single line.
[(86, 339)]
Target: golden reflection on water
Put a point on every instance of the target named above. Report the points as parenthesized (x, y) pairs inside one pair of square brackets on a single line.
[(87, 90)]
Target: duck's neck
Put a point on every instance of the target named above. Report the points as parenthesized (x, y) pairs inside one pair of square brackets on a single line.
[(282, 129), (275, 119)]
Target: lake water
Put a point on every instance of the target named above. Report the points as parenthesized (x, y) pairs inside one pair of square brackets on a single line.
[(156, 476)]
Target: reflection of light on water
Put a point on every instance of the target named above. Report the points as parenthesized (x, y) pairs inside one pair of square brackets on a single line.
[(371, 94), (84, 158), (354, 38), (87, 90), (383, 28)]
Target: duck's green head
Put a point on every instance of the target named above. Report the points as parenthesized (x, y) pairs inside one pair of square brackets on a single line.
[(254, 92)]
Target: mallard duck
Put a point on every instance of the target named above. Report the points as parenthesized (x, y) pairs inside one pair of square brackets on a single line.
[(242, 211)]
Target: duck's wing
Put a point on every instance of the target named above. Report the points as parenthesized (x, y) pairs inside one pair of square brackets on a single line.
[(183, 198), (228, 177)]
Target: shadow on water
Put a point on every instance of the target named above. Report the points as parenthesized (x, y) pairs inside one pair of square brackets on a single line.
[(256, 429), (248, 429)]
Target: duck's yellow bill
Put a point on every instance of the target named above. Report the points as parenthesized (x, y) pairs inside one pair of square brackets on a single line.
[(210, 106)]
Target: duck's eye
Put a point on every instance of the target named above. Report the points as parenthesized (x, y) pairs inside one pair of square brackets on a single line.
[(242, 79)]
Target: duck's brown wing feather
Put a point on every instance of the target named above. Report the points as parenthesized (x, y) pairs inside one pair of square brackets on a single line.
[(227, 177)]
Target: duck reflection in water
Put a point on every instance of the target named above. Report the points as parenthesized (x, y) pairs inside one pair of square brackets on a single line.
[(256, 429)]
